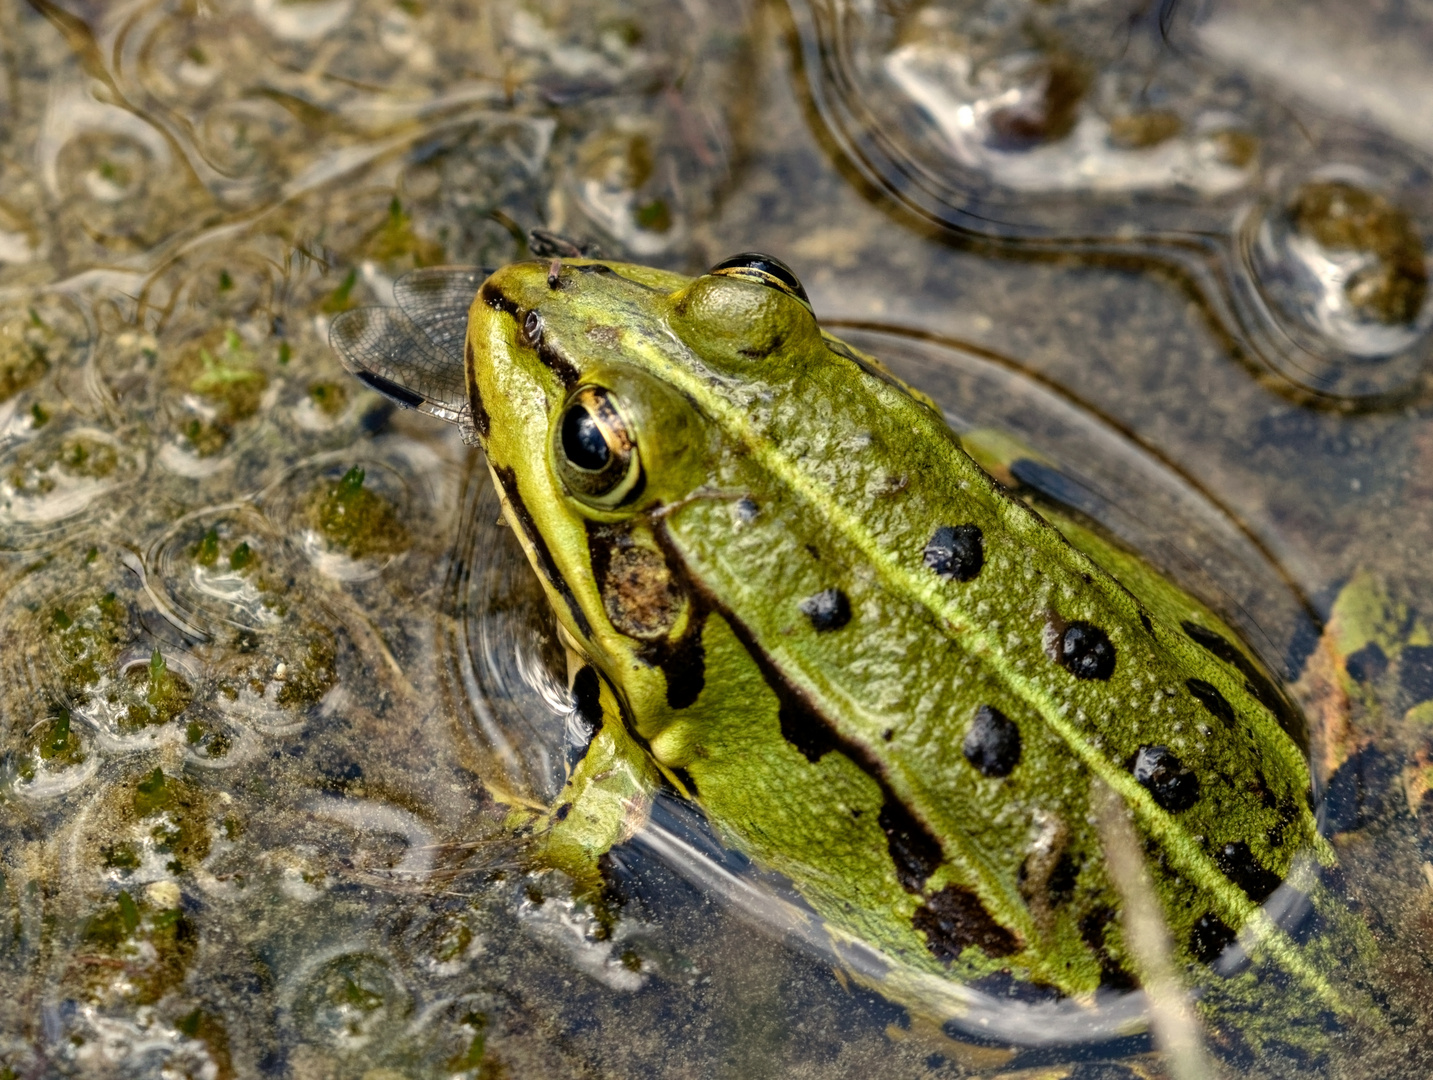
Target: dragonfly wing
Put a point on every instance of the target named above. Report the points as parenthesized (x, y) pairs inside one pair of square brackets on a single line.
[(387, 352), (437, 299)]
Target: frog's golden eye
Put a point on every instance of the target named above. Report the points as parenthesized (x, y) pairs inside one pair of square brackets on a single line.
[(594, 449), (765, 270)]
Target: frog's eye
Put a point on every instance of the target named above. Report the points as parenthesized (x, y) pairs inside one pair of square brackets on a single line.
[(594, 449), (765, 270)]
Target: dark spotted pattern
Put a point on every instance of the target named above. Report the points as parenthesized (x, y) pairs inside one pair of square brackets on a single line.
[(954, 919), (956, 552), (1209, 938), (1164, 776), (1240, 866), (1367, 664), (1258, 685), (828, 610), (914, 849), (992, 743), (1415, 672), (1087, 652), (1213, 700)]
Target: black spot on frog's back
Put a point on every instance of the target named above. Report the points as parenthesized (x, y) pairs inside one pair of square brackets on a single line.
[(1256, 683), (827, 610), (992, 742), (955, 919), (1086, 651), (1240, 867), (956, 552), (1216, 703), (1164, 776)]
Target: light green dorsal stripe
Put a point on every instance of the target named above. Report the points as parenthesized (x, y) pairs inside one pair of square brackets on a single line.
[(1235, 907)]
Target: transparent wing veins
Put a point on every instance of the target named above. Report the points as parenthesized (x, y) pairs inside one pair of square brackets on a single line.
[(437, 299), (413, 354)]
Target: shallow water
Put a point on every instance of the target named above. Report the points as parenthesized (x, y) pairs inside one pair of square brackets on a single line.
[(263, 639)]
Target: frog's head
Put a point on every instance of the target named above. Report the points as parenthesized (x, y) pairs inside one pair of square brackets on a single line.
[(604, 395)]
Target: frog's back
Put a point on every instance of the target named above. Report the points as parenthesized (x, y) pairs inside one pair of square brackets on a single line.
[(979, 674), (875, 670)]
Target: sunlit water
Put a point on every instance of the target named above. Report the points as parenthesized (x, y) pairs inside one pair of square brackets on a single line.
[(263, 640)]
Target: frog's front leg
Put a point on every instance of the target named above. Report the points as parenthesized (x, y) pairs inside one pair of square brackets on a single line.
[(608, 794)]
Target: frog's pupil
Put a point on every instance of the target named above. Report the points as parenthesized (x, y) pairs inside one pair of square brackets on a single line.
[(1086, 650), (582, 440)]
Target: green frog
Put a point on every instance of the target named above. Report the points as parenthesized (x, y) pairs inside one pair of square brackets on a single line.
[(793, 598)]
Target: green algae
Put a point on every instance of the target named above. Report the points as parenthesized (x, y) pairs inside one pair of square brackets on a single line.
[(88, 638), (172, 811), (355, 520), (1343, 217), (225, 375), (24, 354), (331, 398), (157, 695), (54, 743), (395, 241), (134, 950)]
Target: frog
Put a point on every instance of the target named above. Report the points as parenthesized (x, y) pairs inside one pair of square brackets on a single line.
[(791, 597)]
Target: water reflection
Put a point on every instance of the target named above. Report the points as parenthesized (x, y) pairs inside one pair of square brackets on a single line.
[(986, 118)]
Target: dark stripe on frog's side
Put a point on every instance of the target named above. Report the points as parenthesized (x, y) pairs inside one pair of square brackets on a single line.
[(954, 918), (475, 400), (1256, 683), (913, 847), (507, 477), (554, 361), (587, 701)]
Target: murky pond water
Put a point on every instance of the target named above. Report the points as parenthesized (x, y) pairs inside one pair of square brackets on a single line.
[(263, 644)]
